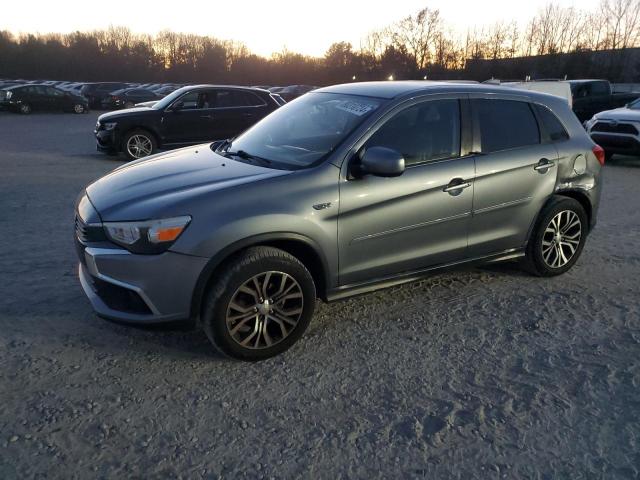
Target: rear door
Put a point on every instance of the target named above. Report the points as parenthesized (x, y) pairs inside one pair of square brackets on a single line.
[(232, 113), (515, 173), (56, 99)]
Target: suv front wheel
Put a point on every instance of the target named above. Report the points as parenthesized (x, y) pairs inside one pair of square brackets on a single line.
[(259, 305), (558, 237)]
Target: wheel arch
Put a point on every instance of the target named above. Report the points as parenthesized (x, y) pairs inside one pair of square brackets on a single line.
[(300, 246), (579, 196), (583, 199)]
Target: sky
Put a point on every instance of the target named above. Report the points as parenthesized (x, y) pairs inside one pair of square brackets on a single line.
[(265, 26)]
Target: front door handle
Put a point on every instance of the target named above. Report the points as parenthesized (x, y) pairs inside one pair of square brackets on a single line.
[(543, 165), (456, 186), (210, 117)]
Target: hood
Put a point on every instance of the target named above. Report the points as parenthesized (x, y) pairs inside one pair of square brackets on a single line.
[(111, 116), (619, 114), (160, 185)]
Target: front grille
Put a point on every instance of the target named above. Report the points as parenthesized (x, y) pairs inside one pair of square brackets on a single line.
[(89, 233), (615, 128)]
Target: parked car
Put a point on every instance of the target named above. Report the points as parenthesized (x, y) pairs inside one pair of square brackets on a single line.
[(188, 116), (166, 90), (294, 91), (349, 189), (96, 92), (617, 130), (149, 104), (593, 96), (128, 97), (37, 97)]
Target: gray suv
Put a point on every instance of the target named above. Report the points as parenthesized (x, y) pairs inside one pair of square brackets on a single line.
[(343, 191)]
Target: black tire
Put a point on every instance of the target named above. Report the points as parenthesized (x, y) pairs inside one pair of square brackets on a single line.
[(24, 109), (255, 261), (79, 108), (535, 260), (130, 152)]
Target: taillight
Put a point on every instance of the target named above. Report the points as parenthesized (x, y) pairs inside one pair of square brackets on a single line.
[(598, 151)]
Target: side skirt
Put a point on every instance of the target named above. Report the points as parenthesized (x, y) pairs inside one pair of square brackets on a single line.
[(352, 290)]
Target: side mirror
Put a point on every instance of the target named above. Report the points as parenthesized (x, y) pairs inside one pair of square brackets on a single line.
[(382, 162)]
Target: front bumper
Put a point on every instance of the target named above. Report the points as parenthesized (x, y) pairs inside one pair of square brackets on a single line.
[(106, 140), (617, 143), (139, 288)]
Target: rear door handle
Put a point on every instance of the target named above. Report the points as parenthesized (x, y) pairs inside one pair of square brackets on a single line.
[(456, 186), (210, 117), (543, 165)]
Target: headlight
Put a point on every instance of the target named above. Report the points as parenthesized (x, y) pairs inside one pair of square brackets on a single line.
[(9, 95), (152, 236), (110, 126)]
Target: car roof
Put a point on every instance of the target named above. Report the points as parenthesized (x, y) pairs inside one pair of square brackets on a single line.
[(237, 87), (586, 80), (395, 89)]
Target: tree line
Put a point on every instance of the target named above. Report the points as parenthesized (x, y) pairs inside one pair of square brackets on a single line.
[(422, 45)]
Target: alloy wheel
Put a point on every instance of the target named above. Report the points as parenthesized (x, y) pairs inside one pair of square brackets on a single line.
[(139, 146), (264, 310), (78, 108), (25, 108), (561, 239)]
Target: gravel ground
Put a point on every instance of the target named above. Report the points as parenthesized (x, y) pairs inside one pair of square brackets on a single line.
[(483, 373)]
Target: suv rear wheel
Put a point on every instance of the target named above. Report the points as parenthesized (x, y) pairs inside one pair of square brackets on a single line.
[(138, 144), (558, 237), (260, 305)]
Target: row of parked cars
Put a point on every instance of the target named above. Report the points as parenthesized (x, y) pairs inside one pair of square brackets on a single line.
[(25, 96)]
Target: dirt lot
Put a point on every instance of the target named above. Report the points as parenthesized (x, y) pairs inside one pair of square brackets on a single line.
[(484, 373)]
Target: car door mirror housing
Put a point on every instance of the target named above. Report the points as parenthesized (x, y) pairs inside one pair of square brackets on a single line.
[(382, 162)]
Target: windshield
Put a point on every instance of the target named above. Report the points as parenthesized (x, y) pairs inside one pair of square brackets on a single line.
[(635, 105), (302, 133), (168, 100)]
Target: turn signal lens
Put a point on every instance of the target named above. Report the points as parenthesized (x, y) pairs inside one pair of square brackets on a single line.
[(167, 230), (598, 151)]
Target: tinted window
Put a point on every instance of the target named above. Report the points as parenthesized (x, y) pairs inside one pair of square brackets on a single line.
[(506, 124), (236, 98), (552, 125), (599, 88), (251, 99), (423, 132)]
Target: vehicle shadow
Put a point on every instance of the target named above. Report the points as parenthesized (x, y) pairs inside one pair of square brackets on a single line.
[(624, 161)]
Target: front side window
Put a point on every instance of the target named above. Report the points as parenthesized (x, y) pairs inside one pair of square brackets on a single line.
[(422, 133), (505, 124)]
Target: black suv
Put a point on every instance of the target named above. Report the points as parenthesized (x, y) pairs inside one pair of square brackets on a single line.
[(96, 92), (128, 97), (190, 115), (27, 98)]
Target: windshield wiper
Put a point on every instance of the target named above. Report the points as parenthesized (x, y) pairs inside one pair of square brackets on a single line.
[(246, 156)]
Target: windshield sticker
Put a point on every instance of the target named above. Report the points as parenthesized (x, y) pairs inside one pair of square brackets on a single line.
[(356, 108)]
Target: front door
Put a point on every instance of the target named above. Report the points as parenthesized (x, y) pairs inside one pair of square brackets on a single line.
[(190, 119), (388, 226)]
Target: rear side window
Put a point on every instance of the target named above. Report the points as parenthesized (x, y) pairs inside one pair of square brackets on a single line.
[(505, 124), (236, 98), (552, 126), (422, 133)]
